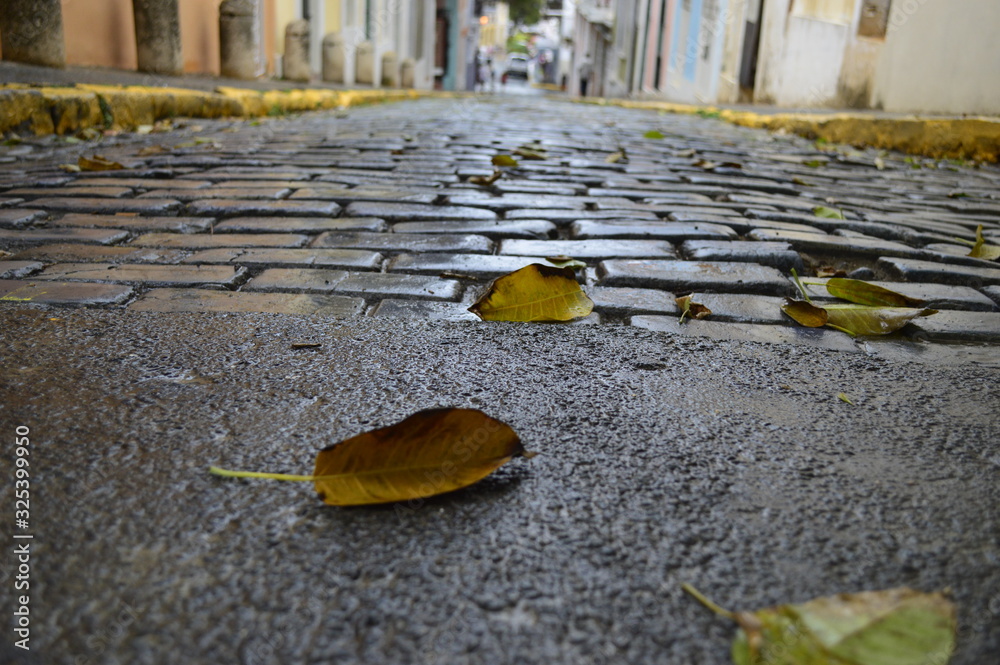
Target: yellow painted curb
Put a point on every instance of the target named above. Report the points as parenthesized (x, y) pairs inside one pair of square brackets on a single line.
[(976, 138), (65, 110)]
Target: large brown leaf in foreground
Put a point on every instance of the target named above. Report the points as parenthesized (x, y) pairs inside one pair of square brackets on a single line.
[(536, 292), (431, 452)]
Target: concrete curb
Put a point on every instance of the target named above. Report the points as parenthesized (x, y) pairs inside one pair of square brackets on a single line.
[(63, 110), (975, 138)]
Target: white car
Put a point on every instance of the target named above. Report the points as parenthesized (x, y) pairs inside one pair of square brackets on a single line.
[(517, 65)]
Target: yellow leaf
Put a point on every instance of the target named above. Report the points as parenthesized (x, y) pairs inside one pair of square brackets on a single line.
[(534, 293), (486, 181), (503, 160), (98, 163), (865, 320), (431, 452), (983, 251), (844, 398), (616, 156), (863, 293)]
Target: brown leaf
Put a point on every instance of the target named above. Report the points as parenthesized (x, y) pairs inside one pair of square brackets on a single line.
[(486, 181), (805, 313), (431, 452), (98, 163), (689, 307)]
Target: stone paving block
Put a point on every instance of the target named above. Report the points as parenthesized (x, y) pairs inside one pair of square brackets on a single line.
[(300, 225), (828, 244), (875, 229), (902, 350), (360, 283), (209, 241), (109, 206), (37, 236), (142, 183), (346, 195), (418, 309), (150, 275), (136, 224), (71, 294), (910, 270), (957, 326), (775, 254), (202, 300), (407, 242), (938, 296), (18, 269), (255, 174), (477, 265), (9, 202), (632, 301), (755, 184), (529, 187), (239, 208), (74, 253), (414, 212), (554, 215), (739, 308), (523, 228), (688, 276), (102, 192), (675, 231), (241, 194), (14, 218), (992, 292), (515, 201), (830, 340), (588, 249), (290, 258)]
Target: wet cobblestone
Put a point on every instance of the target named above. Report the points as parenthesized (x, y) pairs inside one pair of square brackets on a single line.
[(378, 204)]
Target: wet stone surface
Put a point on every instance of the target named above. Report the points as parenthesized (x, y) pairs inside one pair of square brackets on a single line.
[(723, 212)]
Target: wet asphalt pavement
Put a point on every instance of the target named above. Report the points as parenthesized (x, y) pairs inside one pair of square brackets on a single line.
[(663, 459)]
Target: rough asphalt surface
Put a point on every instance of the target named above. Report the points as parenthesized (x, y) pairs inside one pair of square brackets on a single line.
[(664, 458)]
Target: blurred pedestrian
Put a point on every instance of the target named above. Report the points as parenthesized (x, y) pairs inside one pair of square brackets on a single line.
[(586, 70)]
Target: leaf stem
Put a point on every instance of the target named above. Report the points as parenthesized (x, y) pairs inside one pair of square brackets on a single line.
[(707, 603), (226, 473), (843, 330), (798, 284)]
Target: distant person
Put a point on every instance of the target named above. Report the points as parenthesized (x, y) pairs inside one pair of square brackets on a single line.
[(586, 71), (485, 73)]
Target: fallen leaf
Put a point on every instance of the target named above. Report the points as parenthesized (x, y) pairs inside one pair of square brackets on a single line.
[(653, 134), (983, 251), (814, 163), (458, 275), (844, 398), (566, 262), (800, 181), (690, 152), (306, 345), (880, 164), (70, 168), (695, 310), (867, 320), (615, 157), (431, 452), (98, 163), (805, 313), (88, 134), (530, 154), (536, 292), (143, 129), (152, 150), (889, 627), (863, 293), (828, 213), (503, 160), (486, 181), (829, 271)]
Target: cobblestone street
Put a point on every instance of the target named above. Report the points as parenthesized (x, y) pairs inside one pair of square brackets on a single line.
[(246, 293), (370, 212)]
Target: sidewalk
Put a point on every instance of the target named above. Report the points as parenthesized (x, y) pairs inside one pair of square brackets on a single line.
[(942, 137)]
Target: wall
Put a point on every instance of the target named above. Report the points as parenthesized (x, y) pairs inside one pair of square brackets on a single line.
[(940, 57), (99, 33)]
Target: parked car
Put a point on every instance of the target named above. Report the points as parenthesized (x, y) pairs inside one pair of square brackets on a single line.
[(517, 65)]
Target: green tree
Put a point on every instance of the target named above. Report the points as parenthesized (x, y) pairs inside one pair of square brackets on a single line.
[(526, 12)]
